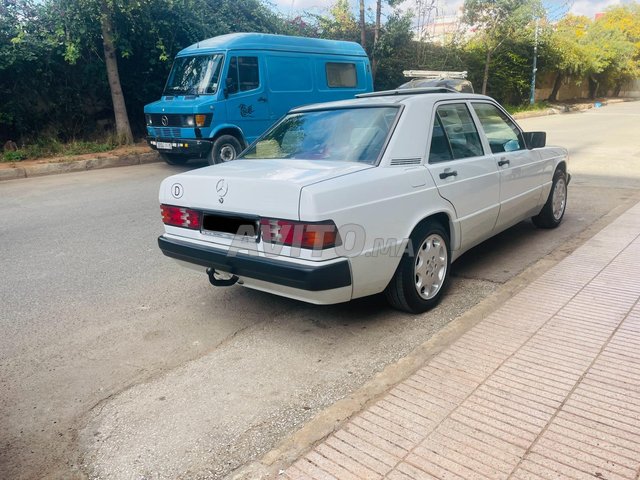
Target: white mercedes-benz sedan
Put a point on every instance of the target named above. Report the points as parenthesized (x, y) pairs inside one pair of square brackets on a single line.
[(376, 194)]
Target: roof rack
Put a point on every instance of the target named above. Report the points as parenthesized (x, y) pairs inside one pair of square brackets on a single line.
[(434, 74), (407, 91)]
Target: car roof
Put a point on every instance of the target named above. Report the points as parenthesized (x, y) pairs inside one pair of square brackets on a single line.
[(394, 97)]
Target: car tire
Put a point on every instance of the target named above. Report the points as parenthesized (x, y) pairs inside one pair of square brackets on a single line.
[(423, 273), (224, 149), (174, 159), (553, 211)]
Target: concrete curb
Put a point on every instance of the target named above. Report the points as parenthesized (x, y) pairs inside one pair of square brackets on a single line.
[(67, 166), (295, 445)]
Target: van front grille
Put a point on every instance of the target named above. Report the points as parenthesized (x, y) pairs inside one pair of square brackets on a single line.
[(167, 132)]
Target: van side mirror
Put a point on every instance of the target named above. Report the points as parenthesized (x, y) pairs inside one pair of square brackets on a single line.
[(535, 139)]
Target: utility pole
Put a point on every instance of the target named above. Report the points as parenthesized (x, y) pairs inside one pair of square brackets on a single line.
[(532, 96)]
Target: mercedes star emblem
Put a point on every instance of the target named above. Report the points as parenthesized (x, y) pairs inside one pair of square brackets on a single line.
[(222, 188)]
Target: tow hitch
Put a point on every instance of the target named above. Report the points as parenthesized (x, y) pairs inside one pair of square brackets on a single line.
[(221, 279)]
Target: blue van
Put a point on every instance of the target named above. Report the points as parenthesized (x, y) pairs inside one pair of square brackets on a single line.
[(224, 92)]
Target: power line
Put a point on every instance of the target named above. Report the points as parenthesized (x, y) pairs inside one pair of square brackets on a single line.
[(559, 11)]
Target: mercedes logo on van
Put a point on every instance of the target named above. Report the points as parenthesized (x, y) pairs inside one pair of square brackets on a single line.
[(164, 120), (176, 190)]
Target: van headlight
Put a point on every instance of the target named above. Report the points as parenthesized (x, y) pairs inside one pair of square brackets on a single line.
[(196, 120)]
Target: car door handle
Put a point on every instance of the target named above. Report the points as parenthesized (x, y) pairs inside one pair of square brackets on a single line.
[(503, 162), (262, 99), (448, 173)]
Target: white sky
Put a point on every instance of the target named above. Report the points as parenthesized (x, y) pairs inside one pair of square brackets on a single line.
[(580, 7)]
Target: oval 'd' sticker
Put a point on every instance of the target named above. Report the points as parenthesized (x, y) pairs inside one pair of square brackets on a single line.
[(176, 190)]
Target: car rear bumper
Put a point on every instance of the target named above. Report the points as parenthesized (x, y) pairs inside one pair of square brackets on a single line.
[(192, 147), (300, 276)]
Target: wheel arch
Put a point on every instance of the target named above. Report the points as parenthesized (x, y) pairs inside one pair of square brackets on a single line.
[(562, 165), (228, 129), (445, 219), (405, 290)]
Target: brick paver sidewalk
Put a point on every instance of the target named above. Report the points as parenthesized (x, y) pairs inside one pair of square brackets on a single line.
[(546, 387)]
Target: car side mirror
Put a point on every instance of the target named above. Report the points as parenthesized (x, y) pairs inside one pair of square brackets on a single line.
[(535, 139)]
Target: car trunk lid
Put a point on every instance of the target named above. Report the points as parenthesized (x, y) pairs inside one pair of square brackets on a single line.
[(265, 188)]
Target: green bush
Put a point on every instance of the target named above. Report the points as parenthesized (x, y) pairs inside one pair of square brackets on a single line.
[(53, 148), (16, 156), (526, 107)]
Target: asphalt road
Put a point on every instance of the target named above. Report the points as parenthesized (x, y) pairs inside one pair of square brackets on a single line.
[(117, 363)]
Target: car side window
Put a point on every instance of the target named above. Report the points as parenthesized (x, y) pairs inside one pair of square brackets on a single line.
[(454, 123), (502, 133), (440, 150), (243, 74)]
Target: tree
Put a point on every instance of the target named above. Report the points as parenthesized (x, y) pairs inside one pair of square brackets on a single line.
[(39, 91), (15, 55), (612, 57), (565, 51), (605, 51), (363, 26), (376, 31), (77, 30), (340, 24), (394, 51), (376, 34), (619, 32), (123, 129), (496, 21)]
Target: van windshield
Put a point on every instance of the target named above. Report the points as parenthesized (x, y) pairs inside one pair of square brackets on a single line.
[(346, 134), (197, 75)]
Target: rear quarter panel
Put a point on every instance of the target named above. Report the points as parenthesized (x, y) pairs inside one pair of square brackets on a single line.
[(375, 211)]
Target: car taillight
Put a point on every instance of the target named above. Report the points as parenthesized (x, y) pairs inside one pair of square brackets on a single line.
[(181, 217), (316, 235)]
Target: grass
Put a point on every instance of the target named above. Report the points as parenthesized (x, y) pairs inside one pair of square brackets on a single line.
[(54, 148), (526, 107)]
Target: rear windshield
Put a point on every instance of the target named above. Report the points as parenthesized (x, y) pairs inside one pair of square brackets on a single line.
[(347, 134), (197, 75)]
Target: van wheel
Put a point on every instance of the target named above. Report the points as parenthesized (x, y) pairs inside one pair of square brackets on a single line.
[(423, 273), (553, 211), (174, 159), (224, 149)]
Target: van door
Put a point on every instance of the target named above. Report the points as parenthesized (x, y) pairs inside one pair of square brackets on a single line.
[(247, 101)]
